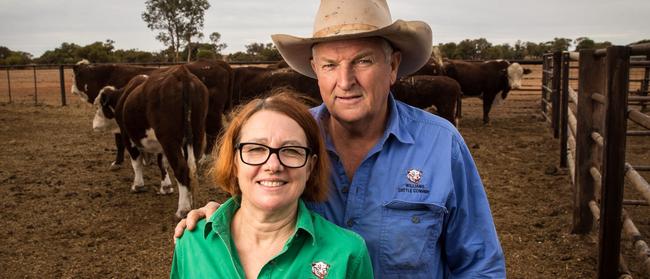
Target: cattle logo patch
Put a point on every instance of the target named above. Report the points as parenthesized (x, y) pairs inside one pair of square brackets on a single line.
[(320, 269), (414, 176)]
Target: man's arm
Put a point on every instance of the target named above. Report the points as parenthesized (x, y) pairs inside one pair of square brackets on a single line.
[(471, 242), (193, 217)]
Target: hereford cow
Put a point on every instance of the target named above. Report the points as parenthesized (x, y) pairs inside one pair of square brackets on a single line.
[(216, 75), (252, 82), (425, 91), (490, 80), (164, 113), (89, 79)]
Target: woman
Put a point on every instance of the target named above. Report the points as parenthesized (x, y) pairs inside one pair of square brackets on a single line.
[(271, 158)]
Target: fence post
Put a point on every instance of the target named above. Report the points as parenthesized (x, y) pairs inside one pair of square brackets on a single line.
[(35, 87), (9, 84), (555, 93), (544, 83), (62, 82), (613, 172), (590, 75), (644, 82), (564, 111)]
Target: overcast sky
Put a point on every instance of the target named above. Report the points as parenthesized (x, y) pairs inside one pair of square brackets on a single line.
[(35, 26)]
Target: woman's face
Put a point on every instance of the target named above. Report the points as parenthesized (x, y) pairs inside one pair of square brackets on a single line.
[(272, 186)]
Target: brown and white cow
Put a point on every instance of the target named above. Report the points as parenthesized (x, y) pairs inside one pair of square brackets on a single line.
[(165, 113), (90, 79), (215, 74), (490, 80), (424, 91)]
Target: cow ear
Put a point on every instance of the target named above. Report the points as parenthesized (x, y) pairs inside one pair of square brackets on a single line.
[(103, 100)]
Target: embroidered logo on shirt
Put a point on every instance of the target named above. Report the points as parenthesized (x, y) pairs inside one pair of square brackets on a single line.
[(320, 269), (414, 176)]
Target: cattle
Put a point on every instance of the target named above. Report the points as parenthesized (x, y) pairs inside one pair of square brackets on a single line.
[(252, 82), (216, 75), (490, 80), (424, 91), (163, 113), (89, 79)]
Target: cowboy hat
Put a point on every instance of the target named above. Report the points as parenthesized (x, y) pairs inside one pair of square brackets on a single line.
[(341, 20)]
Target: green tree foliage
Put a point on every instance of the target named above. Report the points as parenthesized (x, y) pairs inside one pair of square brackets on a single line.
[(218, 46), (9, 57), (65, 54), (257, 52), (177, 20), (587, 43)]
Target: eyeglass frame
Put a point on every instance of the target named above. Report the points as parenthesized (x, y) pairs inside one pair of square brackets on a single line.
[(272, 151)]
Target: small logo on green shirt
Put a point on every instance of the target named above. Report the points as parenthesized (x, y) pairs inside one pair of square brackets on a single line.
[(320, 269)]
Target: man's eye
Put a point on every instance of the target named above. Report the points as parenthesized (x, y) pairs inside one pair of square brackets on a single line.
[(328, 66), (364, 61)]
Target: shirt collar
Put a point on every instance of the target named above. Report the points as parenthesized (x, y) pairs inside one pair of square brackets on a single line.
[(393, 127), (220, 221)]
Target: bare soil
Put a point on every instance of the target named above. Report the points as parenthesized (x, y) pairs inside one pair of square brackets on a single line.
[(63, 214)]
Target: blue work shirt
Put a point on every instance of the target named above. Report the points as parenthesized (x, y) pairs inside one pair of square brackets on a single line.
[(417, 199)]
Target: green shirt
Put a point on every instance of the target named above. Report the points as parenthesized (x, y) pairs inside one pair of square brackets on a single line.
[(316, 246)]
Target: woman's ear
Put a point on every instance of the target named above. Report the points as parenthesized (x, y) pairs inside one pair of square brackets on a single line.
[(312, 163)]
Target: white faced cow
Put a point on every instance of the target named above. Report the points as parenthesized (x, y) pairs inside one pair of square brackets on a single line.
[(490, 80), (164, 113)]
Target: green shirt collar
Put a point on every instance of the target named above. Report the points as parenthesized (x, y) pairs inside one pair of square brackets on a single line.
[(220, 221)]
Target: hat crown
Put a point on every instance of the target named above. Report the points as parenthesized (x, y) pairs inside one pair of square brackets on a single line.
[(340, 17)]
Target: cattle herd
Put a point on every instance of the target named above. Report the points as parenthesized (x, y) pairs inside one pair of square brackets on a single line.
[(175, 113)]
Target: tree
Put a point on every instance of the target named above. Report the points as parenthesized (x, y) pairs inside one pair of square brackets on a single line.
[(178, 21), (218, 46)]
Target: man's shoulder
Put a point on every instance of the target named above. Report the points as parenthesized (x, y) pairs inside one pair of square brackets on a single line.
[(410, 115)]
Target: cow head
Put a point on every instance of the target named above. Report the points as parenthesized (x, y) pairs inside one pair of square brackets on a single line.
[(515, 74), (86, 81), (105, 115)]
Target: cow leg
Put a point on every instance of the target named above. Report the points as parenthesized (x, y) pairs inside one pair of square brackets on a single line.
[(165, 182), (119, 157), (487, 105), (138, 177), (185, 177)]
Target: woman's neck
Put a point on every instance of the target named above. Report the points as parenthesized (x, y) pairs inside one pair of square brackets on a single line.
[(260, 236)]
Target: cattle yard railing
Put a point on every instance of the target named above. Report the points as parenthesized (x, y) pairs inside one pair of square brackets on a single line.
[(592, 126), (25, 82)]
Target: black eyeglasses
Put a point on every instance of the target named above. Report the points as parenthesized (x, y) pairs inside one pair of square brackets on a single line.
[(256, 154)]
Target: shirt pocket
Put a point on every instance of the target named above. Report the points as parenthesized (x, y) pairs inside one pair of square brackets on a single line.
[(409, 234)]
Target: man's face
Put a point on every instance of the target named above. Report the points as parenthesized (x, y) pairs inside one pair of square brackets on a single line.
[(354, 78)]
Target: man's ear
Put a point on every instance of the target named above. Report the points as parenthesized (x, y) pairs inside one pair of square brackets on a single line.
[(396, 59)]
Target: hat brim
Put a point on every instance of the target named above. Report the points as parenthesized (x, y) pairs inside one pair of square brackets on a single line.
[(412, 38)]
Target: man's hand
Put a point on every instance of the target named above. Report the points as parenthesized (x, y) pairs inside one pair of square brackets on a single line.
[(193, 217)]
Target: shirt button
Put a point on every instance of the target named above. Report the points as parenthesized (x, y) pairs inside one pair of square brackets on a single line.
[(415, 219), (345, 190), (350, 222)]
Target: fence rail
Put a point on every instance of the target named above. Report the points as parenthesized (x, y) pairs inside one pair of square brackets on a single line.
[(593, 131)]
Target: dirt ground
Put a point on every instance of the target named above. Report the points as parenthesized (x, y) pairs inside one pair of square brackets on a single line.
[(63, 214)]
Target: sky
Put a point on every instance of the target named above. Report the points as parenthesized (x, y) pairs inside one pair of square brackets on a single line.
[(35, 26)]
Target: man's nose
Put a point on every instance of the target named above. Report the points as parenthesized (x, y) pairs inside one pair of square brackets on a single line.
[(347, 78)]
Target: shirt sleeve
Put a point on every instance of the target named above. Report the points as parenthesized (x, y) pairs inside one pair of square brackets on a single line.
[(360, 266), (471, 244), (175, 272)]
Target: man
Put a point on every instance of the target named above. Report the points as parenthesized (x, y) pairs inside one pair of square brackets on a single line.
[(403, 179)]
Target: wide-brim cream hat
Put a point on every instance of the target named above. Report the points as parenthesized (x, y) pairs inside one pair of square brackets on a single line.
[(349, 19)]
